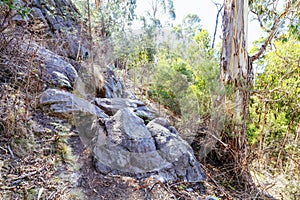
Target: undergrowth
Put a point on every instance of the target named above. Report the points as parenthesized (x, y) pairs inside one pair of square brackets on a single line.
[(33, 151)]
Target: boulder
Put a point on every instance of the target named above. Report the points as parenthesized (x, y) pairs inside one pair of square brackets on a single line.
[(176, 151), (65, 104), (84, 115), (125, 146), (57, 72), (113, 86), (113, 105)]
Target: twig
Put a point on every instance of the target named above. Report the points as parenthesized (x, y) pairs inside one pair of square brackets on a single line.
[(10, 151), (175, 193), (7, 188), (153, 186), (212, 135), (213, 180)]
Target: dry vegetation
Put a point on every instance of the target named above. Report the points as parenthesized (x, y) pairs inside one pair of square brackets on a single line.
[(41, 157)]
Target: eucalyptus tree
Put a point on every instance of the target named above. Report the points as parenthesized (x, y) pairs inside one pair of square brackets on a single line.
[(108, 16), (236, 69)]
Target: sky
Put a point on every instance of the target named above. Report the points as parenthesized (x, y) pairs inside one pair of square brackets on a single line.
[(207, 12)]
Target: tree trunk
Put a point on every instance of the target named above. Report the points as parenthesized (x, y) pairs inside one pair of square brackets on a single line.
[(235, 68)]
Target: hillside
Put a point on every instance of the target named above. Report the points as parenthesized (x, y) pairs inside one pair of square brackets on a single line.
[(78, 123)]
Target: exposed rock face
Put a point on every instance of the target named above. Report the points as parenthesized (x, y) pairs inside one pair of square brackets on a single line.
[(123, 144), (56, 71), (126, 146), (112, 105), (125, 136), (113, 87), (63, 104), (60, 19)]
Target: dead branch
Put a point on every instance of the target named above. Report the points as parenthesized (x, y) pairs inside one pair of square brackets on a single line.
[(220, 8)]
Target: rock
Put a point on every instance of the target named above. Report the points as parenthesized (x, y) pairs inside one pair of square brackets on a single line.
[(175, 150), (164, 122), (111, 106), (113, 87), (58, 72), (59, 19), (84, 114), (64, 104), (127, 147)]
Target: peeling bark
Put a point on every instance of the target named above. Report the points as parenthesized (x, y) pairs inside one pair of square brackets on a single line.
[(235, 68)]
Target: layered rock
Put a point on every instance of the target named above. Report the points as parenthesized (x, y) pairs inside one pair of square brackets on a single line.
[(65, 104), (80, 112), (127, 147), (124, 135), (112, 105), (60, 19), (56, 71)]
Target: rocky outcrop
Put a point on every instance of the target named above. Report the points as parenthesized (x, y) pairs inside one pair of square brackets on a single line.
[(122, 143), (112, 105), (59, 19), (56, 71), (124, 135), (127, 147), (65, 104)]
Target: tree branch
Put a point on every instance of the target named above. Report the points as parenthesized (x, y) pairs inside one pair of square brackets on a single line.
[(273, 32), (260, 21), (217, 21)]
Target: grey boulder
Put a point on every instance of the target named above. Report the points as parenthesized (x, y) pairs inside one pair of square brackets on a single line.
[(112, 105), (64, 104), (84, 115), (127, 147), (56, 71)]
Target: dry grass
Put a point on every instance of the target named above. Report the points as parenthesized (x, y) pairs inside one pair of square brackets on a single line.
[(34, 152)]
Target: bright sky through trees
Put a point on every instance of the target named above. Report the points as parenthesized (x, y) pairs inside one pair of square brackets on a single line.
[(207, 12)]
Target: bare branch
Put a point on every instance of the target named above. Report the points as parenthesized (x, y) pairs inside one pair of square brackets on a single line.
[(278, 21), (260, 21), (220, 8)]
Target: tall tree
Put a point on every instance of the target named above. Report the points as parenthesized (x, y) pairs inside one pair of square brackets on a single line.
[(236, 72), (235, 68)]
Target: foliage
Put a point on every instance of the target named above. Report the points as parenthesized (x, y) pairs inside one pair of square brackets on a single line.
[(110, 18), (278, 88), (21, 9), (185, 70), (281, 16), (275, 109), (160, 9), (10, 9)]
